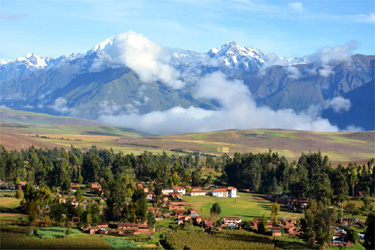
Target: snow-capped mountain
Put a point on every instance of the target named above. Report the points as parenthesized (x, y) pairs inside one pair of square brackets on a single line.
[(229, 56), (107, 79), (238, 57)]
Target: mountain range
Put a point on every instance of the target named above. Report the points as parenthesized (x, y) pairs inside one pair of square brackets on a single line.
[(112, 79)]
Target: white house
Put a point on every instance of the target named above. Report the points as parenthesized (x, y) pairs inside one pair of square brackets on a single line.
[(197, 192), (232, 221), (167, 191), (225, 192), (180, 190)]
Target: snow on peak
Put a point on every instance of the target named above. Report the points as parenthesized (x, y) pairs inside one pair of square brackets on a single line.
[(236, 56), (101, 46), (32, 61)]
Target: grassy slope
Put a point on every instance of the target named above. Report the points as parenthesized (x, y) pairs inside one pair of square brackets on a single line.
[(19, 130), (340, 147), (248, 206)]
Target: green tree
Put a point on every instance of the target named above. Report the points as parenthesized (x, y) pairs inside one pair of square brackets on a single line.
[(43, 196), (79, 195), (318, 224), (58, 213), (351, 210), (215, 209), (352, 234), (275, 212), (19, 194), (32, 213), (341, 191), (262, 226), (370, 232), (80, 179), (353, 179), (151, 221), (196, 177)]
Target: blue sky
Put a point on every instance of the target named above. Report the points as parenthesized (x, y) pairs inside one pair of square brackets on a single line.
[(287, 28)]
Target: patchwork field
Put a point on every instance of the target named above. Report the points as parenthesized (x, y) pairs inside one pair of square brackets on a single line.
[(20, 129), (247, 206), (340, 147)]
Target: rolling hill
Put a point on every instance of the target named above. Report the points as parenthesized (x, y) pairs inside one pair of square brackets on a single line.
[(20, 129)]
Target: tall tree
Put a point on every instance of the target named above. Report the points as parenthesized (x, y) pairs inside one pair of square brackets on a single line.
[(151, 221), (353, 179), (370, 232), (275, 212), (318, 224)]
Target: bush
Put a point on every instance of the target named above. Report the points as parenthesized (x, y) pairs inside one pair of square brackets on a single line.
[(352, 235)]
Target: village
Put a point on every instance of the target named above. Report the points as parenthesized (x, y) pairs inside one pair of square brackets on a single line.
[(181, 213)]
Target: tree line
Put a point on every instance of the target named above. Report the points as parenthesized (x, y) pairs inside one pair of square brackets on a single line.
[(312, 176)]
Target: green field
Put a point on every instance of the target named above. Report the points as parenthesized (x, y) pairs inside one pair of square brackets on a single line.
[(226, 239), (248, 206), (56, 232), (15, 238)]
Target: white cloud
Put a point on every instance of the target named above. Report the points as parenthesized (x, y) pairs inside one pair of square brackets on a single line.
[(273, 59), (338, 104), (238, 111), (327, 56), (60, 105), (353, 128), (27, 106), (293, 72), (297, 6), (147, 59), (109, 108)]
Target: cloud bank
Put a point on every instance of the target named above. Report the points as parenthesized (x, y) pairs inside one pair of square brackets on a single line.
[(147, 59), (327, 56), (238, 111)]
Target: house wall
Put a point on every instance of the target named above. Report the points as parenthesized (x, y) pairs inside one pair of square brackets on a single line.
[(181, 191), (218, 194), (233, 193)]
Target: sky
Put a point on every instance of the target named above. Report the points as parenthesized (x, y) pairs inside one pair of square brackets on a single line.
[(287, 28)]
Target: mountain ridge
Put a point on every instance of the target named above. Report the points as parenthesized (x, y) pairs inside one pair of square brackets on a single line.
[(94, 83)]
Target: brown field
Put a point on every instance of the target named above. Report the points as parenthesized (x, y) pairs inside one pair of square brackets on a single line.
[(340, 147), (10, 140), (19, 130)]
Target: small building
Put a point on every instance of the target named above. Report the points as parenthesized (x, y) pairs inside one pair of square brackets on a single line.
[(150, 195), (166, 191), (225, 192), (276, 231), (178, 212), (197, 193), (196, 219), (96, 187), (180, 190), (232, 221), (175, 195), (74, 185), (303, 203), (180, 205), (103, 224), (192, 211)]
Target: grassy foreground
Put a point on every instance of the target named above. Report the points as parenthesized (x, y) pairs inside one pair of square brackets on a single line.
[(226, 239)]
